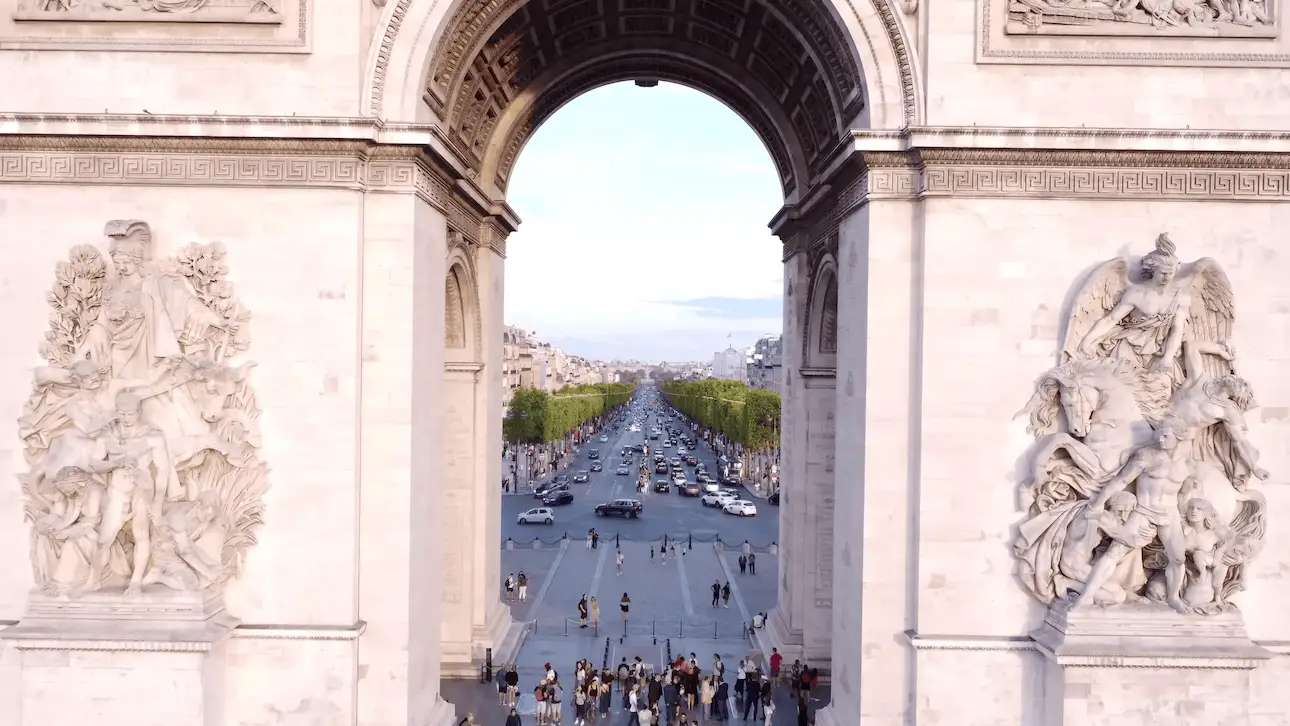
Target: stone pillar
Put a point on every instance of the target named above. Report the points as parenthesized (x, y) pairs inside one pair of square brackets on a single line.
[(401, 440), (462, 517), (877, 402), (785, 626), (817, 611)]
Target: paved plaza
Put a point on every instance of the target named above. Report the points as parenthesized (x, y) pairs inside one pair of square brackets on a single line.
[(671, 614)]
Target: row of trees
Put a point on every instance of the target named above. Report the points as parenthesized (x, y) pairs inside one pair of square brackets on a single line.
[(536, 417), (749, 417)]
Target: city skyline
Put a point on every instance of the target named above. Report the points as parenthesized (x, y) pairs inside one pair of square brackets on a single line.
[(589, 188)]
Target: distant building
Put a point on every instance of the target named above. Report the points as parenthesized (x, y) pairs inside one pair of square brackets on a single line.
[(728, 364), (765, 364)]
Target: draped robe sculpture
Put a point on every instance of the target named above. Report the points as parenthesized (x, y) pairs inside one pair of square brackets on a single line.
[(1146, 407), (140, 436)]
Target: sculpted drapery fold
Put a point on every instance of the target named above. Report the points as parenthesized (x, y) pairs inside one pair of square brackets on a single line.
[(140, 434), (1139, 476)]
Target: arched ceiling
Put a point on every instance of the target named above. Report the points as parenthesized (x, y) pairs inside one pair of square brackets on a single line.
[(504, 66)]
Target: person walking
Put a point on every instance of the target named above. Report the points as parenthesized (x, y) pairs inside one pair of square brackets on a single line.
[(775, 661), (619, 558), (803, 713), (716, 592), (514, 718), (590, 532), (721, 701), (741, 677), (539, 695), (512, 686), (743, 565), (752, 695), (767, 706), (582, 611), (633, 704), (501, 684), (752, 563), (606, 697), (523, 581), (595, 539), (594, 612), (706, 692), (510, 586), (725, 595), (625, 605)]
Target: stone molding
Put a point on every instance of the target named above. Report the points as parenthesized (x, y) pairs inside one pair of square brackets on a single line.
[(995, 45), (300, 632), (287, 30), (137, 646), (359, 165), (1095, 165), (1023, 643)]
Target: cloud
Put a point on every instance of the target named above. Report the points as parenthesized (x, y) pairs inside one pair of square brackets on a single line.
[(636, 204)]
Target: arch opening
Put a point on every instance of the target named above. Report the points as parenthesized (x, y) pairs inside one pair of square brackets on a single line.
[(788, 68)]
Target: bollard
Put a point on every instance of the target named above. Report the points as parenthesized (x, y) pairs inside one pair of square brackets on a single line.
[(682, 630), (537, 544), (664, 541), (714, 631), (691, 544), (488, 665), (773, 549), (566, 627), (510, 543)]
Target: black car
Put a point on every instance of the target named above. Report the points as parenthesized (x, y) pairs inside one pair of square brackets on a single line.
[(559, 498), (639, 448), (661, 485), (597, 466), (774, 498), (629, 508), (581, 478), (593, 454), (561, 479), (660, 468), (550, 488)]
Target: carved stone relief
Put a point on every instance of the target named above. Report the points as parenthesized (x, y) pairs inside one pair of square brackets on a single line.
[(164, 11), (1139, 478), (1188, 18), (140, 433), (829, 318)]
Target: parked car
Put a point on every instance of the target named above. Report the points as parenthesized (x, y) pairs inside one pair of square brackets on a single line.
[(558, 499), (774, 498), (629, 508), (624, 471), (717, 499), (593, 454), (597, 466), (537, 515), (661, 485), (549, 488), (581, 477), (741, 507)]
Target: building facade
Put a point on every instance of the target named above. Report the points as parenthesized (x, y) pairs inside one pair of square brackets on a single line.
[(729, 364), (765, 367)]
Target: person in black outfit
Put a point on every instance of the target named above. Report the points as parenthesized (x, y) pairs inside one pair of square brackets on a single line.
[(582, 612), (655, 690), (716, 592), (721, 702), (752, 695), (752, 563), (513, 719), (803, 713), (743, 565)]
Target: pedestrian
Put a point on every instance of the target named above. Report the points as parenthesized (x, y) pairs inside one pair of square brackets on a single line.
[(725, 595), (775, 660), (605, 698), (523, 581), (716, 592), (469, 720), (803, 713), (718, 667), (741, 677), (625, 604), (752, 563), (743, 565), (651, 553), (579, 705), (752, 695), (582, 611), (594, 612), (512, 686), (673, 550), (539, 695), (633, 706), (721, 701), (514, 718), (768, 707), (620, 561), (510, 586), (590, 532), (662, 554), (595, 539), (706, 692), (624, 672), (501, 685), (555, 696)]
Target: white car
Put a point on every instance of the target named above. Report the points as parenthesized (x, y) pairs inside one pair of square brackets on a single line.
[(667, 444), (717, 499), (713, 487), (536, 515), (742, 507), (681, 450), (603, 438), (678, 478)]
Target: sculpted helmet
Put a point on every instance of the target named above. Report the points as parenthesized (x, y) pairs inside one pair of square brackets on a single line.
[(130, 237)]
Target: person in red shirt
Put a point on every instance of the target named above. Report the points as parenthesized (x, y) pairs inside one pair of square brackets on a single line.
[(775, 660)]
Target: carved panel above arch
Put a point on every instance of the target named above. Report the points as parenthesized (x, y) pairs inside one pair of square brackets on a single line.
[(820, 339), (792, 52)]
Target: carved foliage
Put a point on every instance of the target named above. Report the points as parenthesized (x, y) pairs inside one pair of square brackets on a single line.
[(75, 298)]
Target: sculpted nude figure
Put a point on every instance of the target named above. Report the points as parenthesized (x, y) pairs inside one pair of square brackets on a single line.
[(1083, 538), (1161, 471), (1205, 400)]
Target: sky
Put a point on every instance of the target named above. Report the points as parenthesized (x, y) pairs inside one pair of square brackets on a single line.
[(643, 230)]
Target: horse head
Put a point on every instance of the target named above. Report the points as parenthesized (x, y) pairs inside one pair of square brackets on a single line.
[(1083, 390)]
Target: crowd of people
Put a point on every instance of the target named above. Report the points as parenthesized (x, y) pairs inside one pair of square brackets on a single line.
[(681, 694)]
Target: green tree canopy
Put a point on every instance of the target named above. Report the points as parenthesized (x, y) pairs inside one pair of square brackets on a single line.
[(750, 417), (537, 416)]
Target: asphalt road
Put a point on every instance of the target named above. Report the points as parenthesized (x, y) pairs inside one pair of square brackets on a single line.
[(668, 514)]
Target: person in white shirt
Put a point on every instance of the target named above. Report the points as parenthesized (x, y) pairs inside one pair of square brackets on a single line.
[(632, 706), (739, 679)]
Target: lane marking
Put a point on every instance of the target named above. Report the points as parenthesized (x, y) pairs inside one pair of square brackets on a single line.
[(546, 583), (734, 589), (685, 584), (594, 590)]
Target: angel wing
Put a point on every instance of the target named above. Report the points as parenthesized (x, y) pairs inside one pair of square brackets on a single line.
[(1212, 313), (1101, 292)]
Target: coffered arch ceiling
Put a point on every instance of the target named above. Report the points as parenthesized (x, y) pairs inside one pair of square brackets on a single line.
[(502, 67)]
